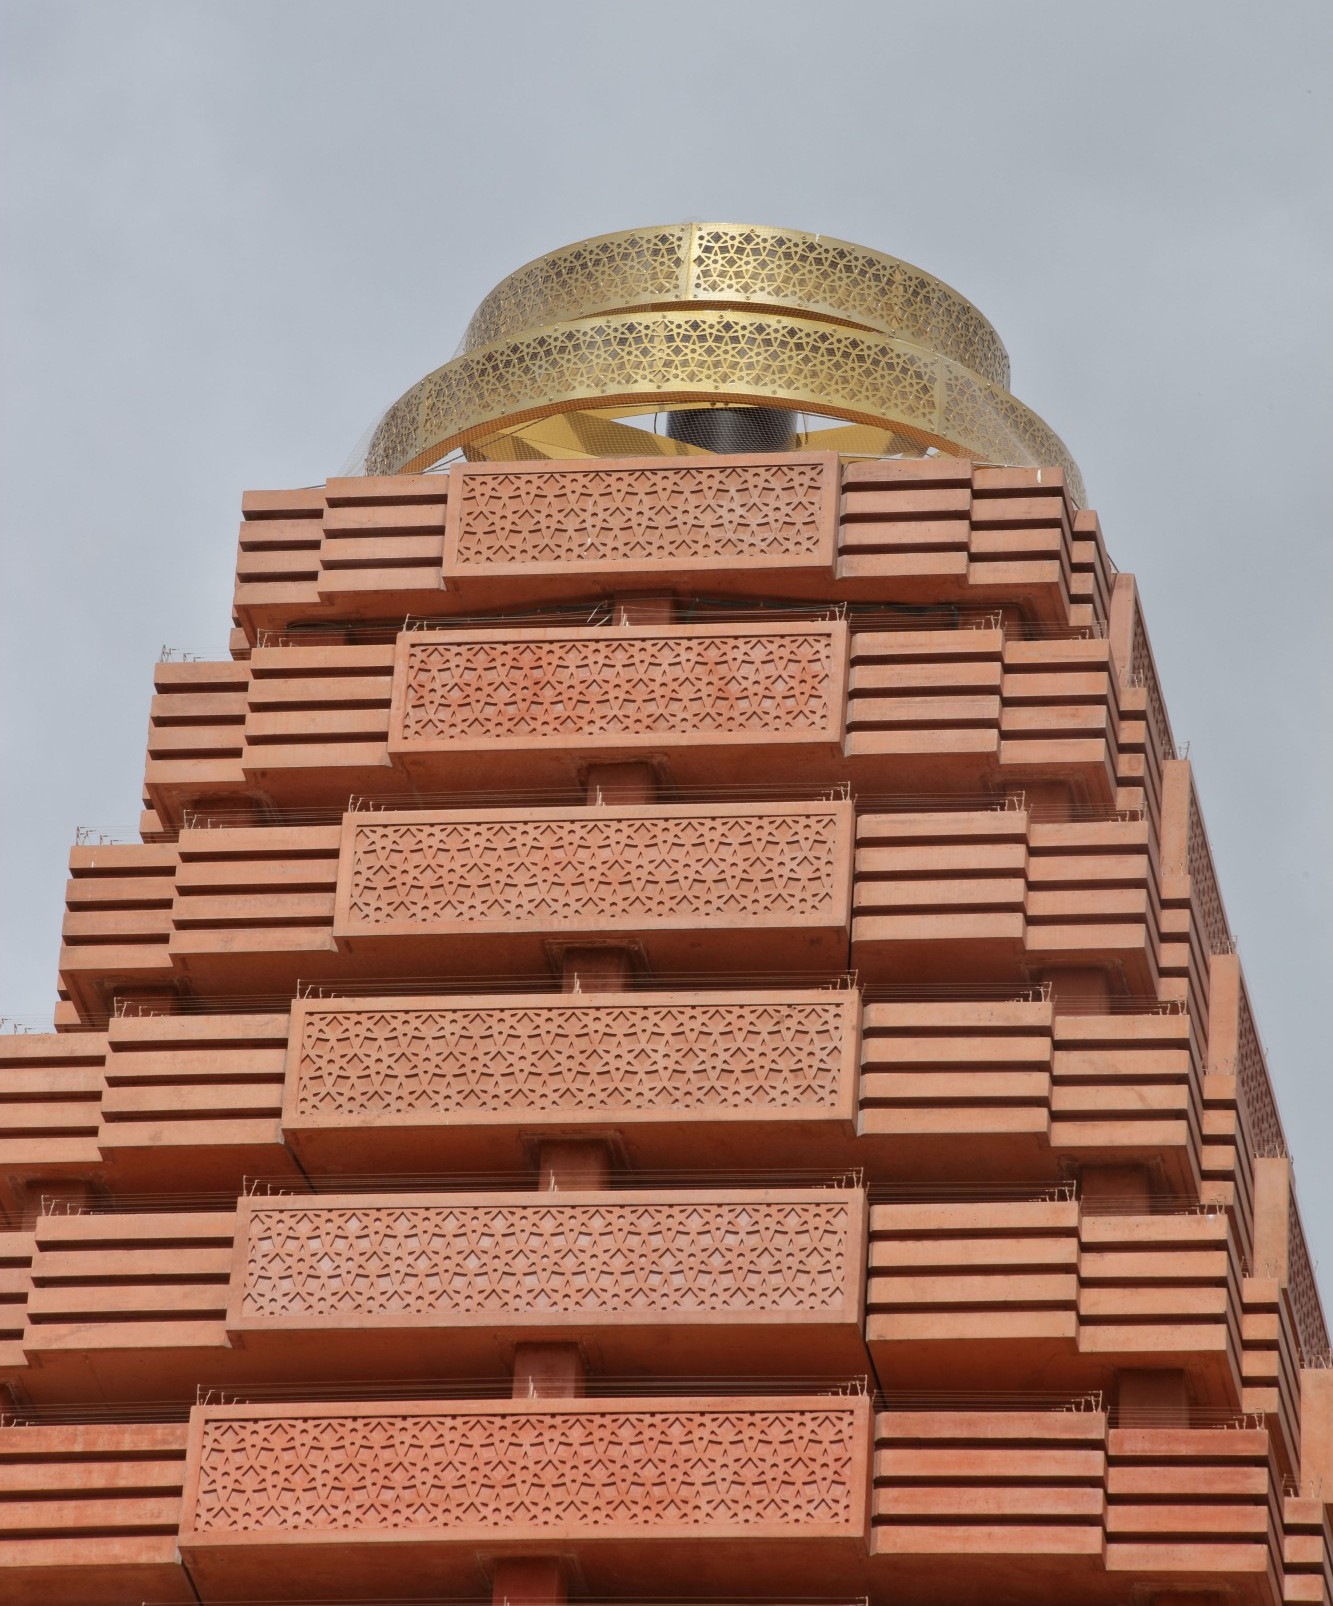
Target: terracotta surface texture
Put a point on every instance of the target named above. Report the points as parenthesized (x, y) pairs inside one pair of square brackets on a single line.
[(671, 1035)]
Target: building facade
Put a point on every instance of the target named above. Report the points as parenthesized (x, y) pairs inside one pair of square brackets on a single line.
[(671, 1033)]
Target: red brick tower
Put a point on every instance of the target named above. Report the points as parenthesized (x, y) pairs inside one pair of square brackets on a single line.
[(672, 1033)]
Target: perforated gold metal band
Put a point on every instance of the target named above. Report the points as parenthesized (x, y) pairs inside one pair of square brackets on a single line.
[(932, 384), (745, 267)]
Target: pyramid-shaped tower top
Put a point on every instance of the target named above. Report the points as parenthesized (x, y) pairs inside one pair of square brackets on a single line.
[(694, 337)]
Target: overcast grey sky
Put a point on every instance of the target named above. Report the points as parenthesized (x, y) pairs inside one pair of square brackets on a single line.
[(233, 232)]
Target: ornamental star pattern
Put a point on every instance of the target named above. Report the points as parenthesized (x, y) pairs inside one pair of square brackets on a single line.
[(612, 868), (439, 1059), (466, 1259), (606, 684), (513, 1472)]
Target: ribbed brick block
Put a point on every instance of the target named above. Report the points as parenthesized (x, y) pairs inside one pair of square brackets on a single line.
[(957, 1069), (917, 531), (117, 922), (986, 1077), (923, 693), (1307, 1551), (1002, 534), (1241, 1123), (1073, 1510), (994, 890), (1272, 1363), (1142, 691), (157, 1102), (202, 1082), (1195, 1503), (51, 1091), (16, 1249), (369, 542), (1026, 710), (1284, 1322), (297, 721), (135, 1282), (1121, 1082), (1032, 1291), (1164, 1285), (382, 538), (196, 733), (90, 1514), (141, 917), (1195, 930), (1014, 1484), (677, 1279)]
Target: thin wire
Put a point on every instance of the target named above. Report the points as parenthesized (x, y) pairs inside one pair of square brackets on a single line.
[(525, 1184), (571, 797), (635, 1390)]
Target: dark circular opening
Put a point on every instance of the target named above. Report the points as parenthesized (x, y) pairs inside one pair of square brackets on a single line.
[(733, 429)]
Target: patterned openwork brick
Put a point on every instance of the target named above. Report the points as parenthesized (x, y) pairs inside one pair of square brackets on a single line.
[(766, 1255), (607, 516), (721, 1468), (637, 686), (594, 868), (426, 1061)]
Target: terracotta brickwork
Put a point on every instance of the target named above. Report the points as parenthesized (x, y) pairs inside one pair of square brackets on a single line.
[(168, 1095), (919, 532), (610, 516), (380, 1282), (724, 1469), (457, 1261), (1178, 1503), (457, 691), (1006, 1279), (91, 1513), (1001, 882), (604, 868), (672, 1034), (966, 700), (355, 1062)]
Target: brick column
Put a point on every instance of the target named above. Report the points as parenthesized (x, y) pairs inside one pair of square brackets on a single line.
[(548, 1372), (573, 1163), (640, 610), (631, 782), (1082, 983), (527, 1581), (1129, 1186), (597, 970), (1153, 1399)]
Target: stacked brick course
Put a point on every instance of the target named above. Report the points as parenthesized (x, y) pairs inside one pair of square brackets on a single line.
[(671, 1032)]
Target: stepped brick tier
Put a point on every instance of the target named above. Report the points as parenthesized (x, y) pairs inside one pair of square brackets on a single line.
[(671, 1032)]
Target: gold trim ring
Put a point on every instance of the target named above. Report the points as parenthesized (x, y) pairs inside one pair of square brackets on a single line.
[(746, 267), (541, 362)]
